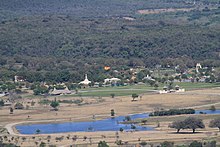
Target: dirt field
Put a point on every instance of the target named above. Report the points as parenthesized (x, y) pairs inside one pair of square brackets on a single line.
[(199, 99)]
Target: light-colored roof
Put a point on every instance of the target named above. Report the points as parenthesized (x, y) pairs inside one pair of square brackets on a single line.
[(60, 91), (115, 79)]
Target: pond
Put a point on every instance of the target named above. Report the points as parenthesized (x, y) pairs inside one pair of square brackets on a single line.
[(207, 112), (110, 124)]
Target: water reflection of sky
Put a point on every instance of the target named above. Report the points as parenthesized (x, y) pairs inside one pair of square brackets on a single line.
[(109, 124)]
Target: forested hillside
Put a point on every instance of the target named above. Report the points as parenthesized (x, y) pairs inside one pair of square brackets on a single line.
[(83, 35)]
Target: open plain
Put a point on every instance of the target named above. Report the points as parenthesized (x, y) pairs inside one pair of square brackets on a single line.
[(101, 106)]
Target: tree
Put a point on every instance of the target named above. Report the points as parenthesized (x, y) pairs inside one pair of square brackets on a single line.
[(112, 112), (193, 123), (195, 144), (103, 144), (177, 125), (113, 95), (156, 86), (11, 110), (215, 123), (189, 123), (54, 104), (134, 95), (1, 103), (40, 90)]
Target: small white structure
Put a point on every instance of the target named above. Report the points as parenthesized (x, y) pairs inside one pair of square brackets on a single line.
[(3, 94), (148, 78), (18, 79), (198, 66), (60, 91), (86, 82), (162, 91), (7, 103), (112, 81), (178, 89), (166, 90)]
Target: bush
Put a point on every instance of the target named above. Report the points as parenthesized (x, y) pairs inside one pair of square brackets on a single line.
[(38, 131), (112, 95), (103, 144), (212, 108), (134, 95), (215, 123), (112, 112), (54, 104), (143, 143), (1, 103), (42, 144), (133, 127), (119, 142), (167, 144), (127, 118), (19, 106), (195, 144)]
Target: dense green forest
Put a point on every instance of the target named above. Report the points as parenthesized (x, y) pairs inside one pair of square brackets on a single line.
[(82, 36)]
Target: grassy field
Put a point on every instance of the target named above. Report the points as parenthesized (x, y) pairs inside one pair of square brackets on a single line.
[(139, 89), (129, 90), (193, 86)]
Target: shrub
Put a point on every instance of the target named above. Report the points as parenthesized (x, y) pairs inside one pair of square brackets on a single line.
[(103, 144), (127, 118), (113, 95), (167, 144), (195, 144), (54, 104), (212, 108), (215, 123), (42, 144), (134, 95), (143, 143), (133, 127), (1, 103), (38, 131), (19, 106), (112, 112)]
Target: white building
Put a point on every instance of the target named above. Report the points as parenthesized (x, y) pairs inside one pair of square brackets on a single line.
[(112, 81), (198, 66), (86, 82)]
